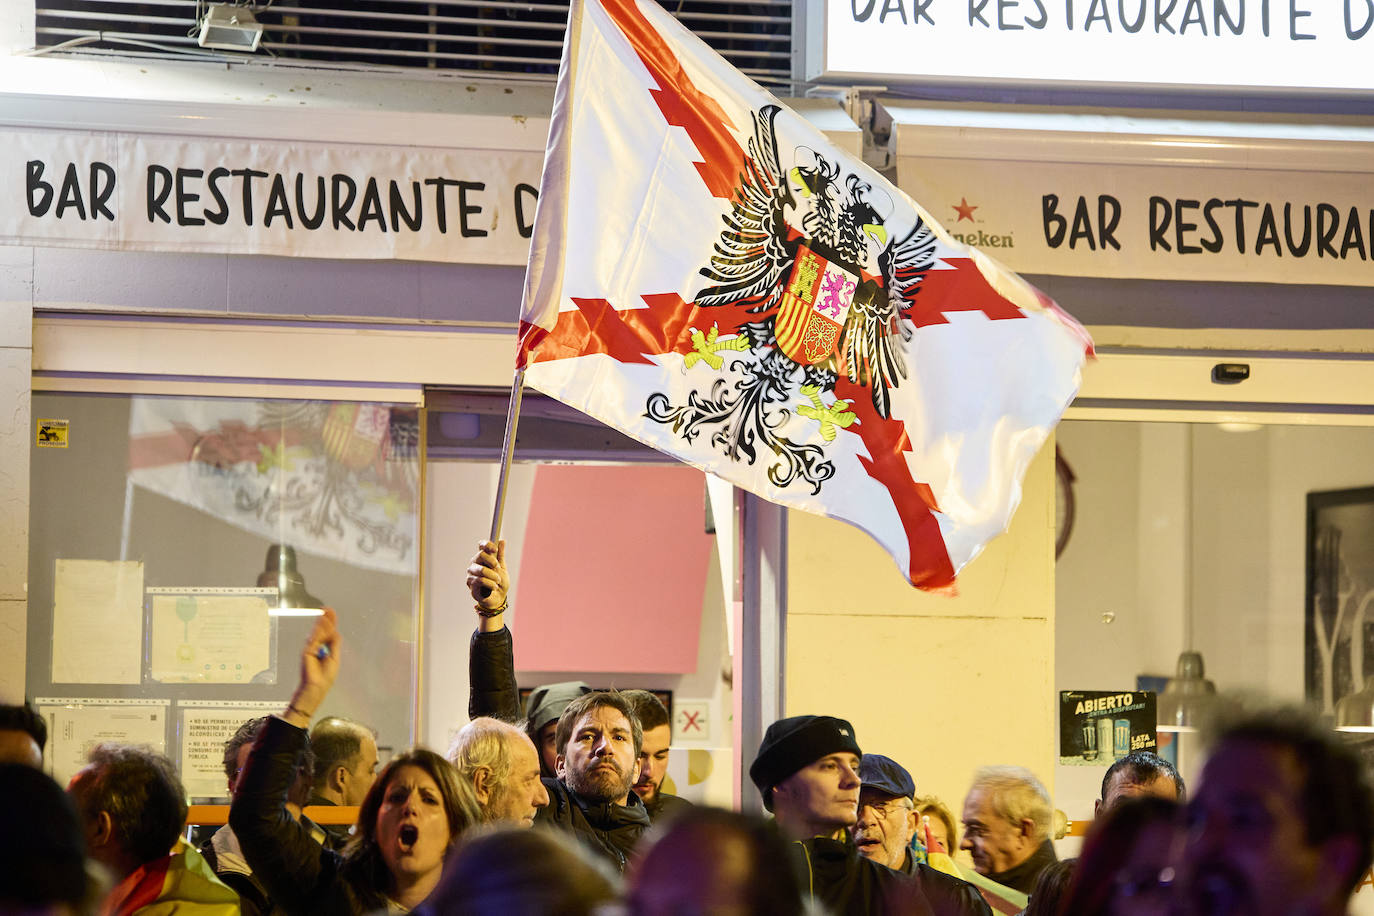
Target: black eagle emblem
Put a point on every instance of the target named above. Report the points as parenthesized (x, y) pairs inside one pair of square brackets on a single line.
[(808, 253)]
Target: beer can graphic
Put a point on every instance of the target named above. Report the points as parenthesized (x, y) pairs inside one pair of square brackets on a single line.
[(1104, 736), (1121, 745), (1089, 740)]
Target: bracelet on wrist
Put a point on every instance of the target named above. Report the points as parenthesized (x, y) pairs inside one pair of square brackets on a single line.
[(298, 711), (489, 612)]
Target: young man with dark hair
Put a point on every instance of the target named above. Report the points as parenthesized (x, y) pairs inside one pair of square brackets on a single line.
[(132, 809), (653, 756), (1283, 821), (598, 741), (1139, 773), (23, 735)]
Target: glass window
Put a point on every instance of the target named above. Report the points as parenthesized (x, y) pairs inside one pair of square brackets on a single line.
[(177, 548)]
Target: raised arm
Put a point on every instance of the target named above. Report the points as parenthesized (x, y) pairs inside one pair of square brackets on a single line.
[(491, 655), (300, 875)]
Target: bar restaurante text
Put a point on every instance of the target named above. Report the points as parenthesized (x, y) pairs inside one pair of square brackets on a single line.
[(248, 196)]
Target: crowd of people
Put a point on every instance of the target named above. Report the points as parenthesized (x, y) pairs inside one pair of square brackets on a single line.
[(1281, 822)]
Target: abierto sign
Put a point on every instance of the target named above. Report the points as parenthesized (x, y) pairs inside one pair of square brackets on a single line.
[(1322, 45)]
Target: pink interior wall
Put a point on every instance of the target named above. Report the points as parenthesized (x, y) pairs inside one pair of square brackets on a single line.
[(613, 570)]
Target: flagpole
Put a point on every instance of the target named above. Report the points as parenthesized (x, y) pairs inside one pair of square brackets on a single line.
[(517, 390)]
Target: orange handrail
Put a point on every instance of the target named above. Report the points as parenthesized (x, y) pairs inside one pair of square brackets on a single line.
[(324, 815)]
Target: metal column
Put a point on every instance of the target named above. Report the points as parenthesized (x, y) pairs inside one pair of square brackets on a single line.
[(761, 646)]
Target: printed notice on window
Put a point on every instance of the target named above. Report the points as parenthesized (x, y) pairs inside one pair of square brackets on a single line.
[(75, 726), (211, 636), (97, 622), (204, 732)]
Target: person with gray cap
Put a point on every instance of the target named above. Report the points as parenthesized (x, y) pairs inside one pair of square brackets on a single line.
[(807, 769), (491, 661)]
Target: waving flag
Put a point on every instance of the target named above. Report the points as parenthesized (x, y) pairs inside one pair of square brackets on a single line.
[(713, 277)]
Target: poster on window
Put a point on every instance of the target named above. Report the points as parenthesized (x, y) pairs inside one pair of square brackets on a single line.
[(1099, 727), (1340, 594), (334, 479)]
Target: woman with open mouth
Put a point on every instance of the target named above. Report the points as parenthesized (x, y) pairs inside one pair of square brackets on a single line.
[(407, 823)]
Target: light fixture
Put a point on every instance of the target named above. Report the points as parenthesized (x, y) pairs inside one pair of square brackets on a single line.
[(229, 28), (1187, 696), (280, 573), (1355, 712)]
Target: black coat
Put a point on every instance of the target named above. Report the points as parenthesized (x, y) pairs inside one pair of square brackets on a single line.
[(301, 876), (610, 830), (835, 874), (948, 895), (491, 677)]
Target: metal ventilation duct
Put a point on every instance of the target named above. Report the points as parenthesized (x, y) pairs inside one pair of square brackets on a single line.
[(487, 38)]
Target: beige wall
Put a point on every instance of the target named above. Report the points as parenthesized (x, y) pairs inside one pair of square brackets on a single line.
[(942, 685), (16, 361)]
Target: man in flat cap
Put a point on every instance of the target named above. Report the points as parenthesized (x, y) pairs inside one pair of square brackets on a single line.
[(887, 813), (807, 768)]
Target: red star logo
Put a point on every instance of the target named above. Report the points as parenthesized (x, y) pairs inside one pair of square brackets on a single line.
[(965, 210)]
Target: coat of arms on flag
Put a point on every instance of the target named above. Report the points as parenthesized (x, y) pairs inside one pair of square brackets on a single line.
[(713, 277)]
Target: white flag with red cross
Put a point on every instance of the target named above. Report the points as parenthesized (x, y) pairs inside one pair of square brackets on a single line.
[(711, 276)]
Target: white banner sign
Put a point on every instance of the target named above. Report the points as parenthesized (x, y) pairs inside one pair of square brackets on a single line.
[(1149, 222), (1303, 44), (141, 192)]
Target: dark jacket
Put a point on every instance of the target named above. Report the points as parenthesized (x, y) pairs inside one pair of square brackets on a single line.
[(835, 874), (300, 875), (1022, 877), (336, 834), (948, 895), (609, 829), (491, 677), (666, 807)]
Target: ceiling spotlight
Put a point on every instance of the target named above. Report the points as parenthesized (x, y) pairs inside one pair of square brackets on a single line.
[(229, 28)]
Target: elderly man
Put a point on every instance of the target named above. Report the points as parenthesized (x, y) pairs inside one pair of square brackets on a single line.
[(132, 809), (807, 769), (887, 813), (598, 742), (1007, 821), (653, 756), (1283, 821), (23, 733), (501, 763), (1139, 773)]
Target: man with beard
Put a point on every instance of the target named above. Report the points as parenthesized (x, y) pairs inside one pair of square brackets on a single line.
[(653, 756), (598, 745), (1283, 822)]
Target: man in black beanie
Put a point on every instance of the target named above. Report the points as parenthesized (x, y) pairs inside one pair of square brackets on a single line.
[(807, 768)]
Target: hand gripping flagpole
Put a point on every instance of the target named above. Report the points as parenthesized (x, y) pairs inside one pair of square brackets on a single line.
[(517, 389)]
